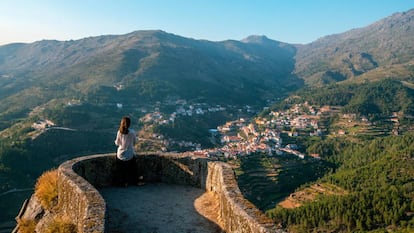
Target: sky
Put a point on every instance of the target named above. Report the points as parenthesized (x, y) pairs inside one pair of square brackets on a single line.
[(291, 21)]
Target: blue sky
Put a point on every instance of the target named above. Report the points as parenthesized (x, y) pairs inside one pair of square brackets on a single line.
[(291, 21)]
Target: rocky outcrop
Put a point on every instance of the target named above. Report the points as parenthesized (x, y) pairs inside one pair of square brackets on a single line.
[(79, 199)]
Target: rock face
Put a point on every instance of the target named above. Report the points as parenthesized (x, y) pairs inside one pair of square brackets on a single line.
[(32, 210), (79, 200)]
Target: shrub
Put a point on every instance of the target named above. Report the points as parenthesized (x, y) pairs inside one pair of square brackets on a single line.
[(26, 225), (46, 189), (61, 225)]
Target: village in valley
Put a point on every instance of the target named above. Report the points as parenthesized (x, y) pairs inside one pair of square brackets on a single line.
[(243, 136), (267, 134), (272, 133)]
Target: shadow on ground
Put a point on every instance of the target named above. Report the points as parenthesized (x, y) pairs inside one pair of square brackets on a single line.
[(160, 208)]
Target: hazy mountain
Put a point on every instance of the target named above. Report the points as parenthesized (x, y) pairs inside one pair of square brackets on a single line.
[(150, 66), (145, 66), (383, 49)]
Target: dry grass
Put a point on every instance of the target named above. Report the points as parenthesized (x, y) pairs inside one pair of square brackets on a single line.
[(46, 189), (61, 225), (26, 225)]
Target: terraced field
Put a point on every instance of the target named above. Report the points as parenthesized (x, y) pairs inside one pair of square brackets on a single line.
[(265, 181)]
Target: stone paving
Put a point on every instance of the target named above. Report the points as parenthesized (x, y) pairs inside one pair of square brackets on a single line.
[(160, 208)]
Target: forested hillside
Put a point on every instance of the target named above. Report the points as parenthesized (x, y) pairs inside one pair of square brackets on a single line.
[(373, 98), (379, 176)]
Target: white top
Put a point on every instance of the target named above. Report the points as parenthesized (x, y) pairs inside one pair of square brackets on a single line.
[(125, 143)]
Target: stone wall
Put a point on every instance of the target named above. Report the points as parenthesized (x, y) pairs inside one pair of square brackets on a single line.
[(82, 202), (77, 195)]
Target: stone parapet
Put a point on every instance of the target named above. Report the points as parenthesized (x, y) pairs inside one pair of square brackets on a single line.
[(237, 213), (77, 196), (79, 199)]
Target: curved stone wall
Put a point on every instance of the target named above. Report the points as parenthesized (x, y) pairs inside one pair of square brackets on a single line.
[(237, 213), (77, 195), (80, 200)]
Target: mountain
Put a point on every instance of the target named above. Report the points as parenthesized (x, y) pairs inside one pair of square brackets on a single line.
[(79, 84), (383, 49), (150, 66), (144, 66)]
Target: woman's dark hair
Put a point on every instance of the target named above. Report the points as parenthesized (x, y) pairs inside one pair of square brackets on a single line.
[(125, 123)]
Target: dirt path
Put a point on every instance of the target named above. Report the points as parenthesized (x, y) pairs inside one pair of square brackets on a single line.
[(160, 208)]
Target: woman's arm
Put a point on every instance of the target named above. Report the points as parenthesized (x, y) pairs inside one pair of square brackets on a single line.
[(118, 139)]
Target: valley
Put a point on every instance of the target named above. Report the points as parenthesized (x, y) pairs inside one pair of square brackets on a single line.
[(320, 135)]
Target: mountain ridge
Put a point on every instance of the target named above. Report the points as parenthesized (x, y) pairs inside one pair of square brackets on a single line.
[(358, 52), (151, 65), (361, 52), (156, 61)]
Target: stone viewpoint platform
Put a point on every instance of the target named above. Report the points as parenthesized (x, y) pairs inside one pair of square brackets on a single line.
[(183, 194), (161, 208)]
